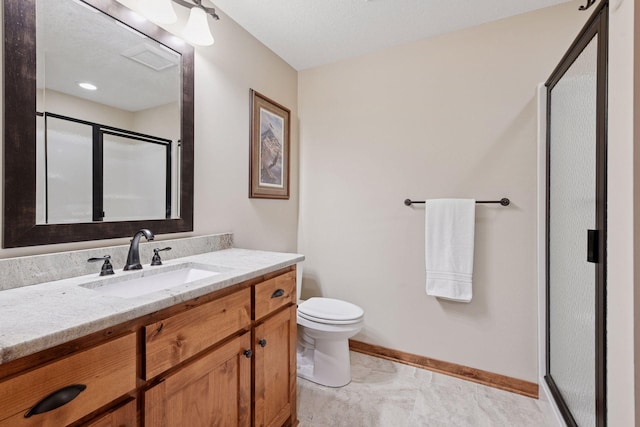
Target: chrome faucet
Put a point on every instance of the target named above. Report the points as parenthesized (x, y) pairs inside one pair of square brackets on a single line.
[(133, 258)]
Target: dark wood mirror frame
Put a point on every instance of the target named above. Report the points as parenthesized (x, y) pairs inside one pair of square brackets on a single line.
[(19, 156)]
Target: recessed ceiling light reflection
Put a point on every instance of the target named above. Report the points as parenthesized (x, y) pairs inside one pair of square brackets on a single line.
[(87, 86)]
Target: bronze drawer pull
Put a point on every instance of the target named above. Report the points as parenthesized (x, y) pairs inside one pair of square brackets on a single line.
[(278, 293), (56, 399), (262, 342)]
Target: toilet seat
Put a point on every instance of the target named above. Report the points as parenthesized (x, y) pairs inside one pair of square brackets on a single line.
[(330, 311)]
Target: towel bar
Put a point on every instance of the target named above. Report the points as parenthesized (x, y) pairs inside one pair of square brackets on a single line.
[(504, 201)]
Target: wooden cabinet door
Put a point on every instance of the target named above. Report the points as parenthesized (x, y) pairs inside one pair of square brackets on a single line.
[(123, 416), (275, 369), (214, 390)]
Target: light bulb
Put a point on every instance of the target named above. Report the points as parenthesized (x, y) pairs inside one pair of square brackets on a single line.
[(159, 11), (197, 29)]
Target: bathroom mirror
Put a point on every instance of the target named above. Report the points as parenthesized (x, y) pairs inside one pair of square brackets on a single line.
[(96, 163)]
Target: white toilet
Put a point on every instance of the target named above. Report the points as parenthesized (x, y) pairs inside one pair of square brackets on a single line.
[(324, 328)]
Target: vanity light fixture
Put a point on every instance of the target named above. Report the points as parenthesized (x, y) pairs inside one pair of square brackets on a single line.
[(87, 86), (196, 31), (159, 11)]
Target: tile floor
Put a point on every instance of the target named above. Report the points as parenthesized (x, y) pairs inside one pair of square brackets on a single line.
[(388, 394)]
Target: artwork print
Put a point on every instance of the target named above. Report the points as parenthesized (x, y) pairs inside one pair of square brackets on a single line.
[(271, 149)]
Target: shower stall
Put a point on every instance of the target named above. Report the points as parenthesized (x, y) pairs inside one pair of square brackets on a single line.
[(576, 174), (90, 172)]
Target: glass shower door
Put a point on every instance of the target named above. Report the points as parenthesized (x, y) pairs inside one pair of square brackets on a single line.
[(576, 230), (572, 191)]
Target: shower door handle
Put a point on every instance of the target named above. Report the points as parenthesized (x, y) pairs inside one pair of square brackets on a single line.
[(592, 246)]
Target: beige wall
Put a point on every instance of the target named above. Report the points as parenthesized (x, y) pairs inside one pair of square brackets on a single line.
[(453, 116), (224, 73), (83, 109), (162, 121), (620, 203)]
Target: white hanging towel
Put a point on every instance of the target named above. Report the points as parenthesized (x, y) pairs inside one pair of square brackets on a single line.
[(449, 235)]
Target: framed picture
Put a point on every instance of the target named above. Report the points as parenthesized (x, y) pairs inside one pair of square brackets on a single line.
[(269, 152)]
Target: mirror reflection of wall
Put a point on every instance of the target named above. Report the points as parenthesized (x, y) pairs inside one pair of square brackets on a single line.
[(137, 95)]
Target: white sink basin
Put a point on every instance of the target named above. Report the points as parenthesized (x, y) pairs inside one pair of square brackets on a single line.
[(147, 281)]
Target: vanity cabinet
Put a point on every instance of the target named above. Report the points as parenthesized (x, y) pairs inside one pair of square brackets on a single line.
[(214, 390), (224, 359)]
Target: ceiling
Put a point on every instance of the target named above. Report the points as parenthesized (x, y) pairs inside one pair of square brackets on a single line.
[(310, 33), (108, 55)]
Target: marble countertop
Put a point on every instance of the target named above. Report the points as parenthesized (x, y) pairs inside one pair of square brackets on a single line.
[(37, 317)]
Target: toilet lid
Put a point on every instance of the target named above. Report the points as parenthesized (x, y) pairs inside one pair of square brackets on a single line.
[(330, 309)]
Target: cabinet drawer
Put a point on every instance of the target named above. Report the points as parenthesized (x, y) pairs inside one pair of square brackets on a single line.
[(108, 371), (175, 339), (275, 293)]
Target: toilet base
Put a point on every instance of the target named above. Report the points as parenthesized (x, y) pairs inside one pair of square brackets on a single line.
[(328, 363)]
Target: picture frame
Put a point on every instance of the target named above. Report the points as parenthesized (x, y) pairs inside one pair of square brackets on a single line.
[(269, 150)]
